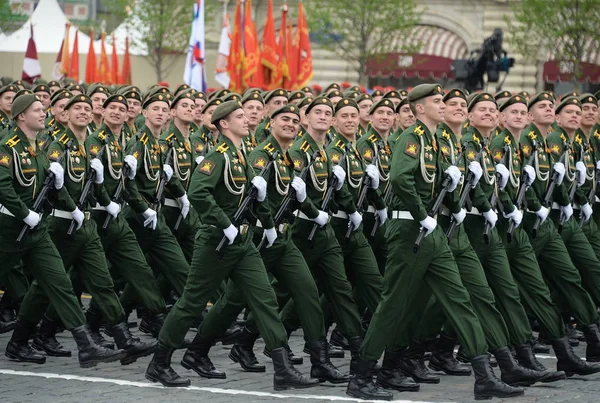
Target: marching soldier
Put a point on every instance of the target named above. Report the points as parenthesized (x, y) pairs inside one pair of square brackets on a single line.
[(57, 124), (364, 102), (253, 108), (200, 101), (98, 93), (207, 136), (273, 100), (7, 93), (134, 109)]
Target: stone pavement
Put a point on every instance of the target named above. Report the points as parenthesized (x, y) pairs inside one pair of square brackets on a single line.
[(61, 380)]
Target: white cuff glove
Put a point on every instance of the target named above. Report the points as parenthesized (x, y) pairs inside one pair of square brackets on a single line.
[(168, 170), (373, 173), (98, 168), (566, 211), (132, 164), (340, 174), (543, 213), (59, 175), (529, 173), (586, 212), (32, 219), (429, 223), (78, 216), (199, 159), (300, 187), (455, 175), (460, 216), (476, 170), (502, 171), (383, 215), (321, 219), (151, 218), (271, 235), (113, 209), (231, 232), (516, 216), (581, 172), (491, 217), (261, 186), (559, 168), (355, 219), (185, 205), (598, 165)]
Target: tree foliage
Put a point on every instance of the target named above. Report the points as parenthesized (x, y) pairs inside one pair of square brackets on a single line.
[(10, 20), (358, 30)]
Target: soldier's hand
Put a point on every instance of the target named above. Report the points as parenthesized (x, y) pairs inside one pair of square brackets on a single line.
[(586, 212), (231, 232), (78, 217), (132, 164), (559, 168), (502, 171), (199, 159), (322, 218), (529, 172), (355, 219), (168, 170), (32, 219), (566, 211), (151, 218), (476, 170), (491, 217), (373, 173), (542, 213), (300, 187), (185, 205), (98, 168), (261, 187), (271, 235), (455, 175), (59, 175), (581, 172), (460, 216), (429, 223), (113, 209), (383, 215), (340, 174), (516, 216)]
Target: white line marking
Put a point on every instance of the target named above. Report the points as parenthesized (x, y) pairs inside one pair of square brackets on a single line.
[(193, 388)]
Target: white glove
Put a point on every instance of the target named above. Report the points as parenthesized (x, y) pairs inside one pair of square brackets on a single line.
[(231, 232), (373, 173), (271, 235), (199, 159), (581, 172), (132, 164), (491, 217), (543, 213), (598, 165), (168, 170), (586, 212), (476, 170), (322, 218), (455, 175), (185, 205), (516, 216), (503, 172), (383, 215), (567, 211), (261, 186), (355, 219), (340, 174), (113, 209), (97, 166), (559, 168), (78, 217), (151, 218), (460, 216), (429, 223), (529, 172), (300, 187), (59, 175), (32, 219)]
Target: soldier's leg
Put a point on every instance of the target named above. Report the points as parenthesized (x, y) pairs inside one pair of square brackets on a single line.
[(378, 242), (592, 233)]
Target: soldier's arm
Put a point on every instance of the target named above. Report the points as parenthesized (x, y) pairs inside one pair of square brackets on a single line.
[(262, 210), (299, 161), (561, 192), (63, 200), (132, 194), (581, 194), (92, 147), (504, 196), (477, 194), (8, 195), (374, 196), (533, 200), (343, 197), (205, 180), (174, 184)]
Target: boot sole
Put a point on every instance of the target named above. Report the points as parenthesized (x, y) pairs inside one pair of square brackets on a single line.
[(245, 367), (286, 387), (415, 388), (340, 345), (368, 397), (130, 359), (553, 378), (498, 395), (146, 330), (202, 374), (420, 380), (17, 358), (51, 353), (448, 372), (168, 385), (90, 364)]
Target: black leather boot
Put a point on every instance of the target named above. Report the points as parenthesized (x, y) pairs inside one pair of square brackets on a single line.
[(152, 324), (18, 347), (8, 319), (6, 327), (462, 357), (514, 374), (592, 340), (230, 335), (286, 376), (539, 346), (354, 343), (293, 359), (242, 351), (159, 369), (332, 351), (569, 362), (132, 345), (45, 341), (322, 368), (94, 330), (487, 384), (196, 359), (442, 358), (390, 376), (90, 354), (527, 359), (413, 364), (362, 386), (337, 339)]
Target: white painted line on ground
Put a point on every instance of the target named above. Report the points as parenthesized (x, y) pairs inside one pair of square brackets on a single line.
[(193, 388)]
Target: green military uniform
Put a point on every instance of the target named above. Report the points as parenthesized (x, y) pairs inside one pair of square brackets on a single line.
[(262, 130), (594, 141), (201, 142), (46, 137)]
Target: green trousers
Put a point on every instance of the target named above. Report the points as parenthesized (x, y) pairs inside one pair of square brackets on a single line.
[(407, 274), (41, 258), (592, 233), (186, 233), (378, 242), (241, 262), (559, 271)]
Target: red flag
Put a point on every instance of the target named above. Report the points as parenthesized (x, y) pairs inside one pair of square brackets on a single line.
[(234, 63), (251, 51), (268, 53), (74, 62), (305, 65), (114, 66), (31, 65), (292, 59), (126, 74), (91, 65), (65, 50), (282, 71), (104, 70)]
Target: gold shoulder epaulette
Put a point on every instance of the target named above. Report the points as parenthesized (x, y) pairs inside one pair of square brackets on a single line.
[(305, 146), (13, 141), (270, 148), (144, 138), (64, 139), (339, 144), (170, 136), (101, 135), (373, 138), (222, 148)]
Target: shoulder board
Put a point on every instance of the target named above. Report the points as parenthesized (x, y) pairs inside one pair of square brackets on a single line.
[(339, 144), (373, 138), (64, 139), (51, 122), (419, 131), (270, 148), (144, 138), (55, 132), (170, 136), (305, 146), (222, 148), (268, 125), (578, 139), (563, 138), (101, 135), (597, 134), (532, 135), (446, 135), (13, 141)]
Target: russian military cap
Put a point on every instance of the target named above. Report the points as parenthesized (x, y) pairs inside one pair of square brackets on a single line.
[(454, 93), (401, 104), (278, 92), (224, 109), (363, 97), (120, 98), (60, 94), (22, 92), (75, 87), (219, 94), (377, 93), (525, 94), (392, 94), (403, 93), (18, 82), (306, 88), (21, 104), (332, 86), (157, 90), (588, 99), (334, 93), (77, 99), (355, 88), (296, 95), (232, 96), (252, 89), (502, 94), (41, 88), (570, 94), (471, 96), (481, 97), (289, 108), (515, 99), (541, 96), (211, 102), (252, 96), (305, 101), (94, 88), (5, 80), (567, 101), (68, 81), (597, 95), (342, 103), (200, 95), (182, 87), (382, 103), (350, 93), (9, 87), (423, 91), (157, 97), (85, 87), (131, 93), (53, 83), (183, 95), (320, 100)]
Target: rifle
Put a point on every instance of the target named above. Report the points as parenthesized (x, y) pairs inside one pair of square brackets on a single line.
[(328, 198), (592, 194), (548, 195), (38, 204), (86, 193), (284, 208), (240, 214), (521, 195), (573, 188), (494, 199), (387, 195)]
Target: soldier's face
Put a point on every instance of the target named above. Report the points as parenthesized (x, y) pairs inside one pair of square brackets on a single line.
[(184, 110), (569, 117), (97, 102), (335, 100), (382, 119), (115, 114), (75, 92), (274, 104), (54, 88), (156, 113), (320, 117), (377, 98), (295, 101), (483, 115), (134, 108), (396, 102), (434, 108), (34, 117), (6, 101), (455, 112), (254, 112), (542, 113), (44, 97), (58, 111), (303, 117), (200, 103), (346, 121), (236, 123), (285, 126), (207, 115), (80, 114), (515, 116), (589, 114), (406, 117), (363, 110)]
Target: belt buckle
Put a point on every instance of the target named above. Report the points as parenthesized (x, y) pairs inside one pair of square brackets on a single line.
[(244, 229), (86, 214)]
